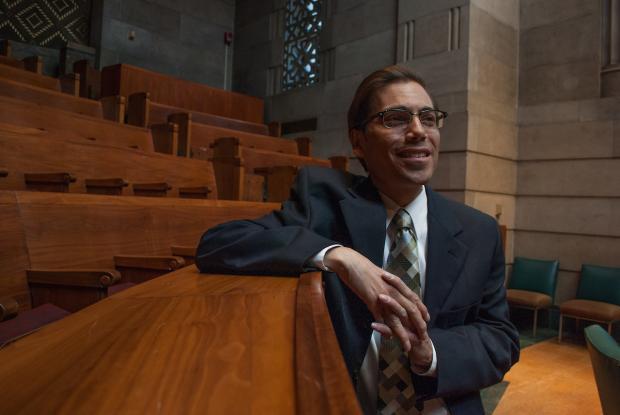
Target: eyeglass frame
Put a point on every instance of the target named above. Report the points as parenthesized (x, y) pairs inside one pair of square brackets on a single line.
[(443, 115)]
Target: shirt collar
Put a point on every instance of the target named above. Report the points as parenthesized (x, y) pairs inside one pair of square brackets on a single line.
[(417, 209)]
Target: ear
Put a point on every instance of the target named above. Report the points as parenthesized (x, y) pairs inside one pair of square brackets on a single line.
[(357, 137)]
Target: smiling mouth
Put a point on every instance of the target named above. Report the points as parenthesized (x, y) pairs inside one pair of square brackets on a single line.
[(413, 153)]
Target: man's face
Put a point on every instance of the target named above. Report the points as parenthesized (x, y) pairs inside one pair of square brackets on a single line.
[(399, 160)]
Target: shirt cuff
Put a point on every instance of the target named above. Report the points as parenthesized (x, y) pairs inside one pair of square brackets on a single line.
[(317, 260), (432, 371)]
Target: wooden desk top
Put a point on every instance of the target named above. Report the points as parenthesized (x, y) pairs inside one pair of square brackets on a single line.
[(185, 343)]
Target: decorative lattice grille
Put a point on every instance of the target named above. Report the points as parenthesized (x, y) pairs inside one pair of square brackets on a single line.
[(49, 23), (301, 43)]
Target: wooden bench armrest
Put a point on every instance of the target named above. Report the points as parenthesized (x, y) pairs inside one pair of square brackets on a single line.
[(70, 84), (8, 308), (33, 64), (165, 137), (323, 383), (49, 178), (115, 182), (183, 251), (114, 108), (74, 277), (195, 191), (304, 146), (152, 262), (275, 129)]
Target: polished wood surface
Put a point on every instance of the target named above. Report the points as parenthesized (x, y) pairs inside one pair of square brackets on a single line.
[(65, 124), (36, 153), (44, 231), (125, 80), (143, 112), (185, 343), (28, 77), (50, 98)]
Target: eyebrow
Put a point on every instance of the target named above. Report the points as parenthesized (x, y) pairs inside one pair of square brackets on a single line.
[(404, 108)]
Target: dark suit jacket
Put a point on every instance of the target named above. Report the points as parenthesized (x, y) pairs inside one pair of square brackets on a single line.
[(473, 337)]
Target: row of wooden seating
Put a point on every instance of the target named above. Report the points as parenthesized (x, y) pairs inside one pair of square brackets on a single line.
[(70, 125), (126, 80), (31, 151), (52, 244)]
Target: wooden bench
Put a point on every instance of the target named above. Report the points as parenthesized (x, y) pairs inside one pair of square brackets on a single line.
[(51, 98), (187, 343), (54, 239), (31, 152), (27, 77), (198, 135), (65, 124), (142, 112), (125, 80), (232, 162)]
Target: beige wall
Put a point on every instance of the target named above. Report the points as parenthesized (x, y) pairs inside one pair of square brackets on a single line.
[(568, 181)]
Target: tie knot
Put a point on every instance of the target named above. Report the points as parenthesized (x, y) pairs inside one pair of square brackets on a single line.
[(400, 222)]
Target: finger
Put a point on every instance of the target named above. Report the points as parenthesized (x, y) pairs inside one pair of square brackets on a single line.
[(408, 313), (398, 320), (397, 311), (382, 328), (406, 292)]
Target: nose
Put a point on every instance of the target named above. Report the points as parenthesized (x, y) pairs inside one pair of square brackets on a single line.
[(415, 129)]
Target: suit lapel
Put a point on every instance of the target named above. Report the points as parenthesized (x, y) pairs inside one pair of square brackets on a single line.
[(446, 253), (365, 217)]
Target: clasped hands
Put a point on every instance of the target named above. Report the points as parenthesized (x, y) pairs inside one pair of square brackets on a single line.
[(397, 310)]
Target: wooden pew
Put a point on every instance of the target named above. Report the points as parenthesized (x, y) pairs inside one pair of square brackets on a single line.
[(27, 152), (43, 233), (65, 124), (186, 343), (12, 73), (90, 79), (203, 136), (50, 98), (125, 80), (232, 161), (142, 112)]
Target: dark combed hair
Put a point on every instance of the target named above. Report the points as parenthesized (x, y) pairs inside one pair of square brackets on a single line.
[(366, 91)]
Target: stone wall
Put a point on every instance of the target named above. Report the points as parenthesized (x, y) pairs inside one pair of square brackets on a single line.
[(183, 38), (568, 184)]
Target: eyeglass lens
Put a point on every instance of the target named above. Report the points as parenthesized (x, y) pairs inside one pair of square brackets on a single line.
[(399, 118)]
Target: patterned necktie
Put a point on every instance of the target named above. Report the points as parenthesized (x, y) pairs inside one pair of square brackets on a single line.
[(396, 394)]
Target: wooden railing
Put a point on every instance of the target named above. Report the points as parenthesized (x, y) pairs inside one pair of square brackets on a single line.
[(186, 343)]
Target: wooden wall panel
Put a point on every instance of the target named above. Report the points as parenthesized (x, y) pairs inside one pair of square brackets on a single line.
[(125, 80)]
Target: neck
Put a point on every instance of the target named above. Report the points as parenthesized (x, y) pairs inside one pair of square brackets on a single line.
[(402, 196)]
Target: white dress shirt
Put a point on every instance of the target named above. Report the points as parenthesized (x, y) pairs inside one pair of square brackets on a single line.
[(367, 385)]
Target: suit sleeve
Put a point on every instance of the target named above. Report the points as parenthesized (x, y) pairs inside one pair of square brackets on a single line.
[(279, 243), (479, 352)]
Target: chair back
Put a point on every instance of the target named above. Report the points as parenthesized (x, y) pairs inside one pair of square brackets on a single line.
[(605, 356), (534, 275), (599, 284)]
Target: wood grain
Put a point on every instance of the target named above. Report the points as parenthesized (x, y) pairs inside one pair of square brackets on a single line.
[(50, 98), (125, 80), (28, 153), (30, 78), (182, 343)]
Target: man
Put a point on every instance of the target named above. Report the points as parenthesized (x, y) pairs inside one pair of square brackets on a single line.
[(438, 309)]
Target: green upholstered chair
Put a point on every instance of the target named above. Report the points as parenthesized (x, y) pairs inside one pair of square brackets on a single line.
[(605, 356), (598, 297), (532, 285)]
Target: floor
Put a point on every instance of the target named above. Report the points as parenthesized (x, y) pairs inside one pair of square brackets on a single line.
[(551, 378)]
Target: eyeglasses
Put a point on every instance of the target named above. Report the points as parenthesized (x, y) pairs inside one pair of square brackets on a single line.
[(401, 117)]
